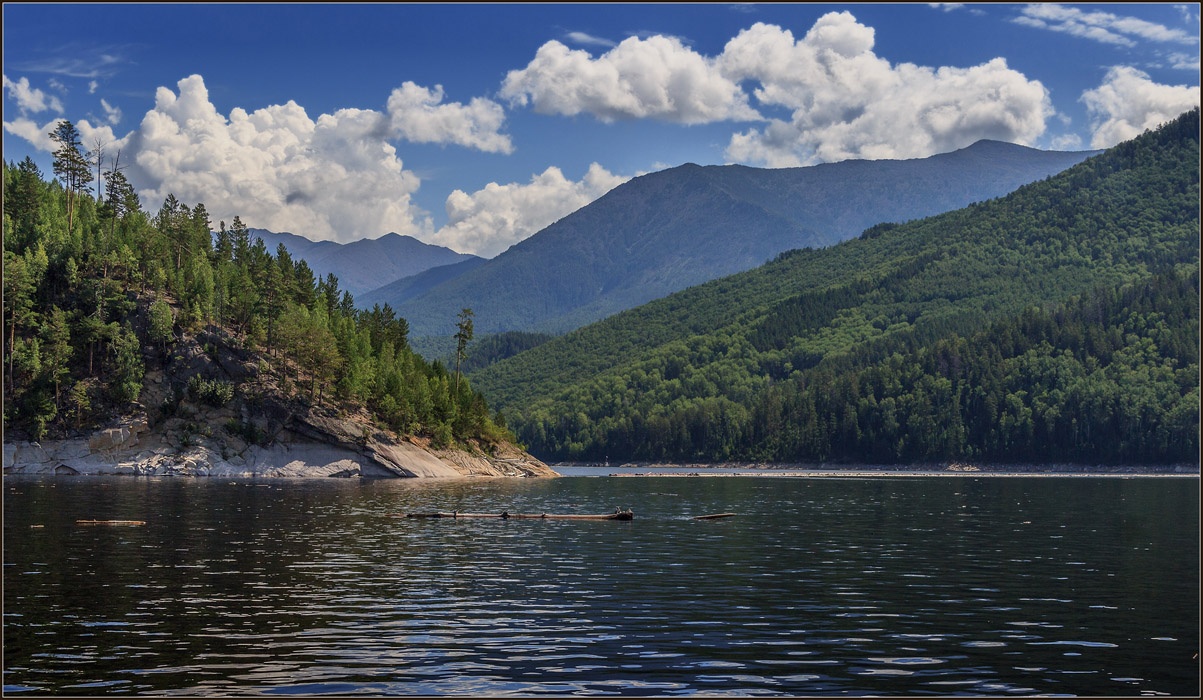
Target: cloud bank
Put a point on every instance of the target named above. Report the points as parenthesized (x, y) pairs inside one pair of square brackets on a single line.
[(492, 219), (848, 102), (416, 114), (654, 78), (1128, 103)]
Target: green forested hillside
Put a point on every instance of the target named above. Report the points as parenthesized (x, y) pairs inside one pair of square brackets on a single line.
[(97, 293), (724, 370)]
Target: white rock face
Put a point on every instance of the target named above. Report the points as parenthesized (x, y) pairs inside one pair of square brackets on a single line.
[(135, 450)]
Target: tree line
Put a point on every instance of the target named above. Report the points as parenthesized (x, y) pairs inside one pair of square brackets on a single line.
[(97, 290), (773, 363)]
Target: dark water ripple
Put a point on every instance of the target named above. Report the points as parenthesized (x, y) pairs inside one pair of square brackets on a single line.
[(844, 587)]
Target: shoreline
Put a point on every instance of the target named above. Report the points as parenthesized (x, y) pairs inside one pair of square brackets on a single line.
[(754, 469)]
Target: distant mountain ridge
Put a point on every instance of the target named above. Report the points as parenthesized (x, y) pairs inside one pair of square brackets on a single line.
[(1058, 323), (405, 288), (366, 264), (663, 232)]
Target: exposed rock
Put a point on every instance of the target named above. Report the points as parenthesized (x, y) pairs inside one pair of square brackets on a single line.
[(316, 443), (262, 432)]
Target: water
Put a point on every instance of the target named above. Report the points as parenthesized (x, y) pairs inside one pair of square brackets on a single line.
[(935, 586)]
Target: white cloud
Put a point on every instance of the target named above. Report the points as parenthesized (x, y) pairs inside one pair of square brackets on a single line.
[(113, 114), (656, 78), (492, 219), (588, 39), (1129, 102), (31, 100), (280, 169), (1100, 26), (1184, 61), (274, 167), (416, 114), (27, 129), (1067, 142), (946, 6), (848, 102), (92, 85)]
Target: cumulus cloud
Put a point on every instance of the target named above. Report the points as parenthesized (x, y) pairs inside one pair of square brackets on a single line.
[(492, 219), (1129, 102), (31, 100), (334, 176), (656, 78), (39, 136), (29, 130), (848, 102), (417, 114), (1100, 26), (92, 85), (274, 167), (113, 114)]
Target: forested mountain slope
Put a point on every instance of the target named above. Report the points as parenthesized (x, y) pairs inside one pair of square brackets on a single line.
[(100, 296), (401, 290), (663, 232), (722, 370)]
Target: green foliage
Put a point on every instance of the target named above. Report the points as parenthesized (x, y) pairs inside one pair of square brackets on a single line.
[(74, 273), (161, 324), (497, 347), (211, 391), (818, 354)]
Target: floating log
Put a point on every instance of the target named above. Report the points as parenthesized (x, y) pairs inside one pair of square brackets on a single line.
[(505, 515), (712, 517), (110, 522)]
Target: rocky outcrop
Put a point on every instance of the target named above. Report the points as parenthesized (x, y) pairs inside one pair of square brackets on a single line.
[(321, 447), (261, 433)]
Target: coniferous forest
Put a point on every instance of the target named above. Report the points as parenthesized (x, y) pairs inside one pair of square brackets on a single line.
[(98, 291), (1057, 323)]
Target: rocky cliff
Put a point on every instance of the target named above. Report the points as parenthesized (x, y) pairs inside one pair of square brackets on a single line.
[(261, 432)]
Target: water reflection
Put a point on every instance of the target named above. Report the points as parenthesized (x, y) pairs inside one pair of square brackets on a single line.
[(834, 586)]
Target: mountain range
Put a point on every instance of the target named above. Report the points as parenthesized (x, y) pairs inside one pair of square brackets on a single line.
[(1061, 319), (365, 264), (663, 232)]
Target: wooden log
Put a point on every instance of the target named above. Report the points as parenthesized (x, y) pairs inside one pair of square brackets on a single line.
[(715, 516), (504, 515), (110, 522)]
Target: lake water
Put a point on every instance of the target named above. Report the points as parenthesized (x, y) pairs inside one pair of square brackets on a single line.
[(942, 586)]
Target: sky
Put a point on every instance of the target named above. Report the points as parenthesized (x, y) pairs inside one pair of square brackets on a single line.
[(475, 126)]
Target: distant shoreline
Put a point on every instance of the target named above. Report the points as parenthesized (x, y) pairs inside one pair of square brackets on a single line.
[(753, 469)]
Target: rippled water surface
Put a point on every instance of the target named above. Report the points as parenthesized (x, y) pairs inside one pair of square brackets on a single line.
[(819, 586)]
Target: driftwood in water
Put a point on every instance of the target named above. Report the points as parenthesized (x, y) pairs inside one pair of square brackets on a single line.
[(616, 515), (712, 517), (110, 522)]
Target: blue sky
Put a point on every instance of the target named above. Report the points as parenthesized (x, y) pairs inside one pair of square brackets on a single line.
[(474, 126)]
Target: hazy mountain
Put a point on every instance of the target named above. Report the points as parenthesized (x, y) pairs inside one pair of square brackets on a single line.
[(365, 264), (669, 230), (408, 287)]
